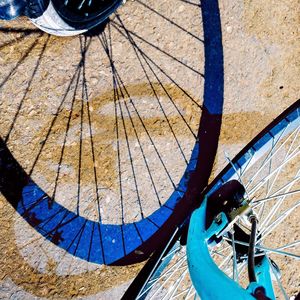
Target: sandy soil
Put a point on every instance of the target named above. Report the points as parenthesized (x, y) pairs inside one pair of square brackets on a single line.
[(47, 98)]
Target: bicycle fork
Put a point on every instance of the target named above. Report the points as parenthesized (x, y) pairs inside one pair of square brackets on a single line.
[(209, 281)]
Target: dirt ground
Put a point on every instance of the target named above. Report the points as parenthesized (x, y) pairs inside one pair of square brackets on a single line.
[(52, 89)]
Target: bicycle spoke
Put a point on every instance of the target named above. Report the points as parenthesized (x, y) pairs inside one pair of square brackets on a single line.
[(263, 180), (184, 292), (278, 220), (177, 283), (274, 209), (285, 188), (236, 172), (234, 261), (278, 281), (262, 208), (290, 245), (190, 292), (174, 269), (266, 249), (286, 155), (271, 154), (272, 197)]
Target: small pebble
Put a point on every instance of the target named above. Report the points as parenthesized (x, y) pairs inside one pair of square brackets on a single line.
[(181, 8), (32, 113), (229, 29), (94, 80)]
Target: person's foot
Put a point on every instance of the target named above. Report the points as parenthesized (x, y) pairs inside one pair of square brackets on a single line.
[(11, 9)]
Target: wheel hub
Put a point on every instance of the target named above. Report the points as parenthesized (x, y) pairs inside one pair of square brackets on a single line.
[(78, 11)]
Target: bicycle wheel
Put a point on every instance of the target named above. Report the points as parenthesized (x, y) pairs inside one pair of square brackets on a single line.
[(268, 168), (67, 18)]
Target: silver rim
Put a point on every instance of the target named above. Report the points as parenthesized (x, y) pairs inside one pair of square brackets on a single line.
[(271, 175)]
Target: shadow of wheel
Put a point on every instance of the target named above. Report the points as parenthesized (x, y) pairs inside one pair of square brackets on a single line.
[(30, 200)]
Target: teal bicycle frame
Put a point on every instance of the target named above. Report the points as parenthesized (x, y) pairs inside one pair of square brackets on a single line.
[(209, 281)]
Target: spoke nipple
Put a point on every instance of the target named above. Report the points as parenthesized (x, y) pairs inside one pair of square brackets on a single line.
[(252, 217)]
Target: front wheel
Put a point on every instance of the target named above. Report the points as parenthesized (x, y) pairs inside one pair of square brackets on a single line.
[(70, 17), (268, 169)]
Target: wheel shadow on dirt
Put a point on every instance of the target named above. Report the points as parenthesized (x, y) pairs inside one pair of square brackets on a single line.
[(89, 240)]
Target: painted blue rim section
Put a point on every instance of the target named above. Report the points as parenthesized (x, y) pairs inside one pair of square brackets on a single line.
[(89, 240)]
